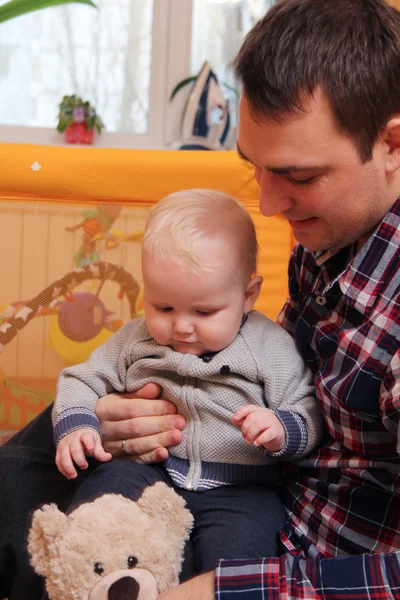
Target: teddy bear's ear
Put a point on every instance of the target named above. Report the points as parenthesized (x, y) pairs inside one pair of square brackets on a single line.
[(161, 502), (48, 523)]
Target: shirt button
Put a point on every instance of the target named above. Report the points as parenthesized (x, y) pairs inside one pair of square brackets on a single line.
[(321, 300)]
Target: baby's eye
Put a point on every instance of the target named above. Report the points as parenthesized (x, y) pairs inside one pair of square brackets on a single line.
[(98, 568), (164, 308), (205, 313), (132, 562)]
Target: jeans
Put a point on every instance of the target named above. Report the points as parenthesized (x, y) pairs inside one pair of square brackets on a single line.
[(230, 522)]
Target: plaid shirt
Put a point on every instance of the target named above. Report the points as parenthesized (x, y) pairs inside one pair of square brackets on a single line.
[(343, 501)]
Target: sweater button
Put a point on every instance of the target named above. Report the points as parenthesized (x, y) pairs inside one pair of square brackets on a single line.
[(206, 358), (321, 300)]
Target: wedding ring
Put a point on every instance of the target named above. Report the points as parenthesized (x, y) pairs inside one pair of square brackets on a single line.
[(123, 447)]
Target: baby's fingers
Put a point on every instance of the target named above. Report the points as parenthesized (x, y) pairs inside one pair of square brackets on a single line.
[(272, 440), (99, 453), (266, 438), (78, 452), (92, 445), (251, 429), (88, 441), (243, 412), (65, 464)]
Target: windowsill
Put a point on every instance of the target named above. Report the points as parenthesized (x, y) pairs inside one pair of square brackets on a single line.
[(15, 134)]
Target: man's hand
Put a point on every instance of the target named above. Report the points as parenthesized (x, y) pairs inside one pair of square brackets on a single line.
[(147, 424), (198, 588), (75, 446), (261, 427)]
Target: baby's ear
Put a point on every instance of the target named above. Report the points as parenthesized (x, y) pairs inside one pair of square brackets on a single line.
[(48, 524), (252, 292)]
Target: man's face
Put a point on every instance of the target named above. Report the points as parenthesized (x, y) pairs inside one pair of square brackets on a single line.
[(311, 172)]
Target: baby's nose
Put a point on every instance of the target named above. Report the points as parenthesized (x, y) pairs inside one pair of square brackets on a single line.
[(183, 326)]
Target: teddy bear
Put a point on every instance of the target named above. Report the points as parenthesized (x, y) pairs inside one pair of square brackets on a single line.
[(111, 548)]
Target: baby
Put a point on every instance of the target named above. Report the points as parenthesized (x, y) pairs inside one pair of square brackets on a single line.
[(234, 375)]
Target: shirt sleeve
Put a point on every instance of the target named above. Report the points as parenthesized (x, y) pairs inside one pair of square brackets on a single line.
[(290, 577), (79, 387), (390, 398), (298, 426), (289, 390)]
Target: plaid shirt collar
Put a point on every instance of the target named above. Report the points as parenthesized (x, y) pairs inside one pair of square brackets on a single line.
[(363, 279)]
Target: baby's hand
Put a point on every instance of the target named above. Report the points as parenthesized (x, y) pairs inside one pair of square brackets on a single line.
[(75, 446), (261, 427)]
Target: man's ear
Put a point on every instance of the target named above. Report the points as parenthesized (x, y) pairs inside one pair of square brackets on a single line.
[(252, 292), (391, 137)]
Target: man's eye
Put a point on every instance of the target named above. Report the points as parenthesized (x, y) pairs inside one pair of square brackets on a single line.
[(300, 181)]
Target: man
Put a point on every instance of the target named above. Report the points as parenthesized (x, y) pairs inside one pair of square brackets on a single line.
[(320, 123)]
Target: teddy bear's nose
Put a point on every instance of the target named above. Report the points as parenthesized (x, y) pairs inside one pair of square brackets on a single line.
[(126, 588)]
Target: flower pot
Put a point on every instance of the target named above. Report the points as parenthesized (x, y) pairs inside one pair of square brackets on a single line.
[(77, 133)]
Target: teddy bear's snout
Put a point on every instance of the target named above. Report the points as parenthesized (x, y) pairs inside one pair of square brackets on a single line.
[(126, 588), (125, 584)]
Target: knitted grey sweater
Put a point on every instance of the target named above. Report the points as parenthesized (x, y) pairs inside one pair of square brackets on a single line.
[(262, 366)]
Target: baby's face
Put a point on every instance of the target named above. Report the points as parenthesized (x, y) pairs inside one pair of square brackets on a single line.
[(194, 313)]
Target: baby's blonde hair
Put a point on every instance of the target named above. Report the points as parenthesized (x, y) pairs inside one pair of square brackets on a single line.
[(179, 224)]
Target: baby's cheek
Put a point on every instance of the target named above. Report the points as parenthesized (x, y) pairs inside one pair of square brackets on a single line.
[(157, 329), (218, 339)]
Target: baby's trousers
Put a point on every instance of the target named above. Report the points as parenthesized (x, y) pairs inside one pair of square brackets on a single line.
[(236, 521)]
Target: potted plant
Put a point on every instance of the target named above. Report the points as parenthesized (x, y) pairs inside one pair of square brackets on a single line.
[(79, 120), (15, 8)]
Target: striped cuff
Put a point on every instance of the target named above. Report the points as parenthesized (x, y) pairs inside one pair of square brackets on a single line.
[(73, 419), (296, 434), (253, 579)]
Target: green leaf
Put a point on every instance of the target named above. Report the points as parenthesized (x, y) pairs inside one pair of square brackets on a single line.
[(182, 84), (15, 8)]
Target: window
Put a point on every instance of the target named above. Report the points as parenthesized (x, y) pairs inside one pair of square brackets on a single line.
[(103, 55), (218, 28), (125, 58)]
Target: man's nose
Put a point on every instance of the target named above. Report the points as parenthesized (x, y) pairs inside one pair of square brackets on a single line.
[(273, 194)]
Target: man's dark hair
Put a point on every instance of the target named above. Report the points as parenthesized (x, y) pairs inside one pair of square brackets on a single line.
[(349, 48)]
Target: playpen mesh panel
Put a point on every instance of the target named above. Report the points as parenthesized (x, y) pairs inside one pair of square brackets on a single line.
[(71, 277)]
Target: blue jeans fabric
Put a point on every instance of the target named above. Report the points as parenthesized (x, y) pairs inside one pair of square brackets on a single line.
[(230, 522)]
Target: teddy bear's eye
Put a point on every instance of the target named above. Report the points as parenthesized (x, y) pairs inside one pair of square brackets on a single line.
[(132, 562), (98, 568)]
